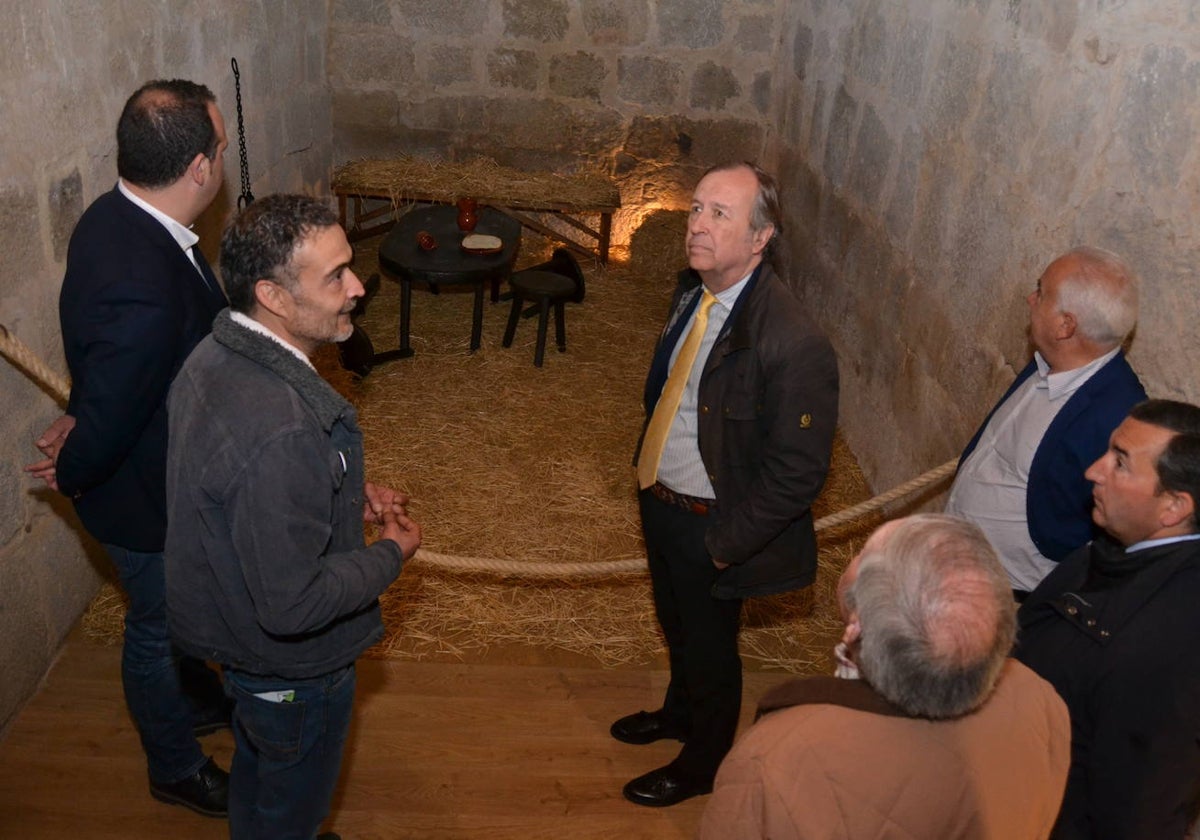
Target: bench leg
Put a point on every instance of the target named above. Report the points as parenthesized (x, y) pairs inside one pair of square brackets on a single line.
[(543, 321), (514, 315), (560, 327)]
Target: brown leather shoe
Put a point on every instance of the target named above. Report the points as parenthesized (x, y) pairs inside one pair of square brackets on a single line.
[(645, 728), (206, 792)]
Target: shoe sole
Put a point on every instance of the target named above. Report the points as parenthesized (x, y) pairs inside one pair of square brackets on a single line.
[(209, 728), (171, 799)]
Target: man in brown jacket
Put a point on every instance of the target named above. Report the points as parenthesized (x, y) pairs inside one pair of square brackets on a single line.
[(936, 734)]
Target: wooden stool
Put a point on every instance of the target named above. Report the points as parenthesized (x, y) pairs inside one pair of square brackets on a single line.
[(542, 288)]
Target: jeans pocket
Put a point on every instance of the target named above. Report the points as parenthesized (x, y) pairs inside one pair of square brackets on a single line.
[(275, 729)]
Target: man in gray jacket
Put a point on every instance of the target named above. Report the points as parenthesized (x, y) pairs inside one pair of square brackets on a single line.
[(267, 569)]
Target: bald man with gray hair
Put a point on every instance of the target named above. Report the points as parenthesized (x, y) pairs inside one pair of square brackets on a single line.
[(1020, 478), (931, 731)]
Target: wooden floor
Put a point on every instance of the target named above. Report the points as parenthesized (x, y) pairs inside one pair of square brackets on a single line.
[(438, 751)]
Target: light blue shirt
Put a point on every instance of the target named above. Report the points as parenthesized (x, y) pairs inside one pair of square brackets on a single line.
[(991, 484), (681, 468)]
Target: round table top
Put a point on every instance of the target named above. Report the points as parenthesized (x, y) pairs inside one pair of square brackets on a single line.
[(449, 263)]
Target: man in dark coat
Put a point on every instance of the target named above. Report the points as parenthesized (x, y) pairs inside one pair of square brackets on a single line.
[(137, 297), (740, 422), (1114, 629)]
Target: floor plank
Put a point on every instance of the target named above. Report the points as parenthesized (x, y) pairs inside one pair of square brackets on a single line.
[(438, 751)]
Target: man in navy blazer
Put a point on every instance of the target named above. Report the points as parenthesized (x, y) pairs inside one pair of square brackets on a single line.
[(137, 297), (1021, 478)]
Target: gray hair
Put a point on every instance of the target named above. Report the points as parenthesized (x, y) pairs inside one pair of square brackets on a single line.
[(1102, 294), (937, 616)]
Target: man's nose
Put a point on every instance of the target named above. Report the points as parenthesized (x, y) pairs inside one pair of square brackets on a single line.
[(355, 288)]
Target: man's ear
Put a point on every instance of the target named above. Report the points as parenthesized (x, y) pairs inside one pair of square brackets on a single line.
[(200, 168), (1179, 509), (272, 297), (762, 238), (1067, 325), (853, 631)]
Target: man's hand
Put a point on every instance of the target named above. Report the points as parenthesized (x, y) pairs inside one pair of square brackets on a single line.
[(382, 500), (403, 531), (50, 443)]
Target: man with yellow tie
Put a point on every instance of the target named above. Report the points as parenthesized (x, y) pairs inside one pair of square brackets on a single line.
[(741, 404)]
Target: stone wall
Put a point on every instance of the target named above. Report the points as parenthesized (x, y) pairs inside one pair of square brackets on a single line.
[(65, 72), (937, 154), (650, 92)]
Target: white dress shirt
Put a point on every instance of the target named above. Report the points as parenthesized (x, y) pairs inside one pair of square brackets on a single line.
[(991, 484)]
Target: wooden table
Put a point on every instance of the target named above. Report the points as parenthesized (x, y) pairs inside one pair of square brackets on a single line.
[(447, 265)]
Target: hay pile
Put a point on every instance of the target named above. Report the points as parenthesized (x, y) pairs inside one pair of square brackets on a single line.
[(405, 178), (504, 460)]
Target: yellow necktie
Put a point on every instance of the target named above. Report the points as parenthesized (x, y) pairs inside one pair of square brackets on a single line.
[(668, 403)]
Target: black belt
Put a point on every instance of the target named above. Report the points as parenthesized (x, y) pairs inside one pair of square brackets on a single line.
[(692, 504)]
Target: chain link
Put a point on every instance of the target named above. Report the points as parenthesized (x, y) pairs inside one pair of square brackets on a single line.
[(247, 197)]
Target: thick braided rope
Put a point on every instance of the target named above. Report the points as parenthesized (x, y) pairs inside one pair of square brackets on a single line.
[(23, 357), (519, 568), (20, 354)]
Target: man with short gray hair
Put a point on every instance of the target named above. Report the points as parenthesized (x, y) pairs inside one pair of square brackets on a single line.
[(932, 732), (1020, 478)]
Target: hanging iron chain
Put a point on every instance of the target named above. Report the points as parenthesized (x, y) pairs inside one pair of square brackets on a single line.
[(247, 197)]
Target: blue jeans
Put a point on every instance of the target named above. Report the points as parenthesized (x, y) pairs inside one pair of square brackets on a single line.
[(150, 670), (289, 752)]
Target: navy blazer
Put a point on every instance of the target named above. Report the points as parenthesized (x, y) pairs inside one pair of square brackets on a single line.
[(132, 307), (1058, 500)]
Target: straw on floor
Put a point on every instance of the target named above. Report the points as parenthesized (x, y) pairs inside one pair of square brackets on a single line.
[(502, 459)]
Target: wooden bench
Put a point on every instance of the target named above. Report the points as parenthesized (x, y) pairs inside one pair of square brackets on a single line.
[(525, 196)]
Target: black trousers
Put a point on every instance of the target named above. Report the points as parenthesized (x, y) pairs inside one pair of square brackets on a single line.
[(704, 696)]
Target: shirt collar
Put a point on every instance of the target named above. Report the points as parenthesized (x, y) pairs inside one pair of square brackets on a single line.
[(728, 297), (250, 324), (1164, 541), (180, 233), (1068, 381)]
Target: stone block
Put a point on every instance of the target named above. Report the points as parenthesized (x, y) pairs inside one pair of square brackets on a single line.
[(1005, 121), (648, 81), (868, 45), (508, 68), (541, 20), (578, 75), (760, 91), (953, 87), (21, 244), (1063, 143), (378, 12), (691, 23), (712, 86), (448, 65), (842, 118), (816, 122), (370, 57), (618, 23), (898, 216), (372, 109), (1156, 120), (873, 149), (802, 49), (911, 48), (701, 142), (755, 33), (66, 206), (936, 206), (444, 17), (1052, 23)]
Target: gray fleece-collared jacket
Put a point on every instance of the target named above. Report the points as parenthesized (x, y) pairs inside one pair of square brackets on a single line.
[(267, 568)]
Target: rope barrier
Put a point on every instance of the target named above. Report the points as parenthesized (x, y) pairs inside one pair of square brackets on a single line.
[(59, 388), (23, 357)]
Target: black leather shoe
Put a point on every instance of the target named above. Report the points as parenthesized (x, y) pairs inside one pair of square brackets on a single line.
[(213, 719), (645, 728), (664, 786), (206, 792)]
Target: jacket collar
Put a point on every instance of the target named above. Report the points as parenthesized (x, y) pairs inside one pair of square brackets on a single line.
[(830, 691), (325, 402)]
